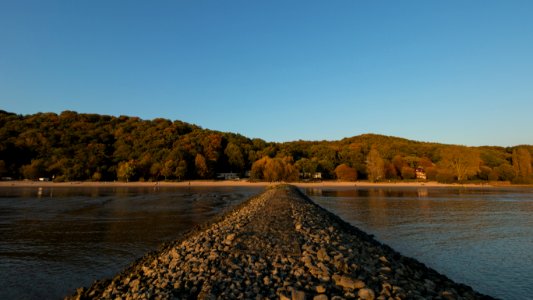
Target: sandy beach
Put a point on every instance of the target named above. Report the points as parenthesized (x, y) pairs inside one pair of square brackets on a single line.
[(218, 183)]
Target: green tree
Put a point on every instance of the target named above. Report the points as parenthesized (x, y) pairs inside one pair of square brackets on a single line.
[(307, 167), (155, 170), (235, 157), (484, 173), (126, 170), (34, 170), (505, 172), (97, 176), (353, 156), (181, 170), (168, 168)]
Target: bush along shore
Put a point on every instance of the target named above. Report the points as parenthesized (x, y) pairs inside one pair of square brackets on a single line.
[(281, 245)]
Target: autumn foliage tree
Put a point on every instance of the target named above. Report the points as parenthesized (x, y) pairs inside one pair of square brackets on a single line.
[(522, 164), (258, 168), (201, 166), (126, 170), (375, 166), (274, 169), (34, 170), (408, 172), (345, 173), (460, 161), (74, 146)]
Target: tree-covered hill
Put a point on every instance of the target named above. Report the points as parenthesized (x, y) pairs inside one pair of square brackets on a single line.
[(73, 146)]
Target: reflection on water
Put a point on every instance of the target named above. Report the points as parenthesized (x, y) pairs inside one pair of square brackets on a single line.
[(53, 240), (481, 237)]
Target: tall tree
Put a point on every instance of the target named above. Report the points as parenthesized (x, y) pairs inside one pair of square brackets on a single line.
[(235, 158), (290, 172), (258, 168), (181, 170), (375, 165), (126, 170), (201, 166), (168, 168), (34, 170), (274, 170), (522, 163), (461, 161), (307, 167)]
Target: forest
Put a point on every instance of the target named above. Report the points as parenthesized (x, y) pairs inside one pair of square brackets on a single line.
[(72, 146)]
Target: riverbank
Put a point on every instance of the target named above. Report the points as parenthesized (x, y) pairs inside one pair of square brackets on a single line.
[(208, 183), (278, 244)]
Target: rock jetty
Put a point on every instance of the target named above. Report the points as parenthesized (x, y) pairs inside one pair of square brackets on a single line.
[(278, 245)]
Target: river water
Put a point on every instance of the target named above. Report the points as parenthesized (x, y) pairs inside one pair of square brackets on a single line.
[(53, 240), (480, 237)]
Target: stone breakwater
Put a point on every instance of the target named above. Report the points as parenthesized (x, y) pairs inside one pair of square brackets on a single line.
[(278, 244)]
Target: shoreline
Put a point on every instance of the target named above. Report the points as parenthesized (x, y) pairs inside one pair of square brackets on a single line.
[(243, 183), (278, 244)]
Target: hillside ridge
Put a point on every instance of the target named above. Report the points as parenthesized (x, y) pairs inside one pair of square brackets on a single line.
[(77, 146)]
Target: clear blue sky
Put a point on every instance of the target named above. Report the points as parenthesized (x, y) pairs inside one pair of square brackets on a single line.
[(447, 71)]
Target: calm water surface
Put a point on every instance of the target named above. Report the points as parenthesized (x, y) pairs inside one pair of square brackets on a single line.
[(53, 240), (480, 237)]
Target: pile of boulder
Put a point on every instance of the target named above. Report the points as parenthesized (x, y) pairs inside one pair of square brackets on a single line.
[(281, 245)]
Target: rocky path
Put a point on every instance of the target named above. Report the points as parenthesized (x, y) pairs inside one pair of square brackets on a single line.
[(278, 245)]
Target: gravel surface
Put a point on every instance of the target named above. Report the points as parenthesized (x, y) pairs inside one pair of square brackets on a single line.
[(278, 244)]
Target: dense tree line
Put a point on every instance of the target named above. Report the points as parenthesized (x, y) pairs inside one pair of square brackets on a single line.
[(72, 146)]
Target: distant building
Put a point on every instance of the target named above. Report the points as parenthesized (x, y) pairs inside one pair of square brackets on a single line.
[(311, 176), (421, 174), (228, 176), (305, 175)]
